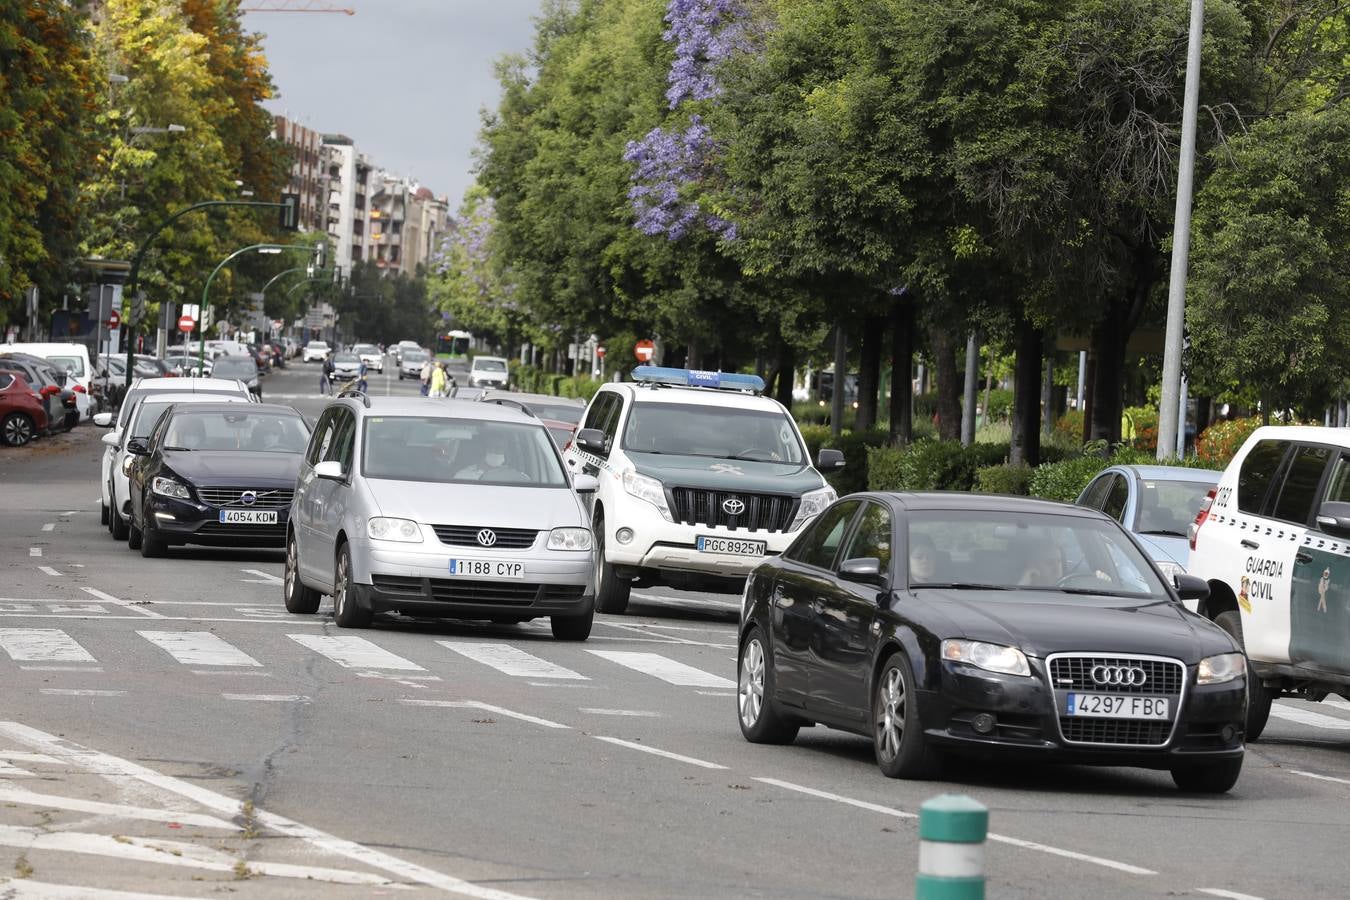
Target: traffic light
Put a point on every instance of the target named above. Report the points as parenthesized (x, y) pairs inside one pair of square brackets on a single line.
[(289, 219)]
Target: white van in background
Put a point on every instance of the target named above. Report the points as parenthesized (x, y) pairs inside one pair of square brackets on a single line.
[(71, 358)]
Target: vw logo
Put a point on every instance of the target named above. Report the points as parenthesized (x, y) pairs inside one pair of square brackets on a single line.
[(733, 506), (248, 498), (487, 537), (1119, 676)]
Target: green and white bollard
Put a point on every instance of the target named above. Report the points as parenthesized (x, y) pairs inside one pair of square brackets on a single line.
[(952, 830)]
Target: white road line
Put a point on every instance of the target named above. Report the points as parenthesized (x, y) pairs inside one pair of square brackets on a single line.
[(1337, 702), (667, 670), (114, 810), (266, 576), (39, 758), (198, 648), (1308, 717), (106, 764), (34, 551), (50, 526), (702, 763), (8, 770), (74, 692), (61, 668), (714, 694), (1230, 895), (48, 570), (668, 638), (998, 838), (563, 684), (27, 889), (232, 672), (354, 652), (511, 660), (638, 713), (125, 604), (657, 598), (42, 645), (1318, 777), (269, 698), (486, 707)]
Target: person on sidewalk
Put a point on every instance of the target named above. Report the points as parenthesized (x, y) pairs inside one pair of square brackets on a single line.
[(438, 380), (426, 377)]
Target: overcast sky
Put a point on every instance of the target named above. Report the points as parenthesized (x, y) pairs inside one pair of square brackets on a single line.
[(404, 79)]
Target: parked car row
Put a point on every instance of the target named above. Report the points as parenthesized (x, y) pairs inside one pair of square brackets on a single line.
[(39, 399)]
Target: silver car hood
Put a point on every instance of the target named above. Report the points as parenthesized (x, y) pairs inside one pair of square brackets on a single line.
[(492, 506)]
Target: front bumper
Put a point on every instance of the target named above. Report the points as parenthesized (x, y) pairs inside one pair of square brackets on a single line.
[(1207, 723), (673, 547), (188, 522), (416, 580)]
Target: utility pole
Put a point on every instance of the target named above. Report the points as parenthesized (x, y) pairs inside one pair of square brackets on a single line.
[(1169, 409)]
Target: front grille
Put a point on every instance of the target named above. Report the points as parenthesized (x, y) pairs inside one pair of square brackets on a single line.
[(467, 536), (1074, 673), (453, 590), (267, 498), (223, 529), (1140, 732), (761, 512)]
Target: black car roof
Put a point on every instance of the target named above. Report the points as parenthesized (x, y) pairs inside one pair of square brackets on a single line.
[(972, 501)]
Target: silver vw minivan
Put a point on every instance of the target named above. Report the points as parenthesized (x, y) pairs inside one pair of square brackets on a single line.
[(441, 508)]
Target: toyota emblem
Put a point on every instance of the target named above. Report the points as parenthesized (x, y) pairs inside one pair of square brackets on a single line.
[(487, 537), (1119, 676), (248, 498), (733, 506)]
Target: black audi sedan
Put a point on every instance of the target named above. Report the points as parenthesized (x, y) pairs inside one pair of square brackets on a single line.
[(990, 626), (217, 474)]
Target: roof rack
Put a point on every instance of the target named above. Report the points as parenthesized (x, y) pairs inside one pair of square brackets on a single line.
[(658, 376), (507, 401), (359, 394)]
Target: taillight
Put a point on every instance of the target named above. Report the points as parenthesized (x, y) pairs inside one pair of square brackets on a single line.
[(1194, 531), (79, 389)]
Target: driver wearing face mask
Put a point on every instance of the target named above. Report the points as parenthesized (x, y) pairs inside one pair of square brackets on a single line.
[(493, 457)]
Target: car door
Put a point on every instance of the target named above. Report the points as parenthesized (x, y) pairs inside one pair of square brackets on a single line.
[(1319, 601), (845, 624), (1116, 500), (331, 496), (804, 577), (1094, 495), (307, 487)]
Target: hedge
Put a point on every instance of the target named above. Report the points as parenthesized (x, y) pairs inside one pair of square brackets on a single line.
[(1004, 479), (533, 380)]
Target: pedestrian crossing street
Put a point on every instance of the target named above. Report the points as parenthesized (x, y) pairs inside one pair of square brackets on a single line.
[(46, 649)]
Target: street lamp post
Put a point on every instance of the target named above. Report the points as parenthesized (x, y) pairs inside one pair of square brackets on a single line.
[(206, 289)]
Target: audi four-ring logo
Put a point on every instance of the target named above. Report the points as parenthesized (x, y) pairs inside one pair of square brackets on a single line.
[(487, 537), (1119, 676), (733, 506)]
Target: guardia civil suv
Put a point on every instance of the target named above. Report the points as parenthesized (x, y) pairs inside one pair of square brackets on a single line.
[(439, 508), (700, 479)]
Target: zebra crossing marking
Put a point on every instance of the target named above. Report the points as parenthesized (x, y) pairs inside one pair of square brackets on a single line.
[(1308, 717), (42, 645), (511, 660), (198, 648), (668, 670), (355, 652)]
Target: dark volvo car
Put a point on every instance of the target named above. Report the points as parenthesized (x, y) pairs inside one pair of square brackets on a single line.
[(981, 625), (219, 474)]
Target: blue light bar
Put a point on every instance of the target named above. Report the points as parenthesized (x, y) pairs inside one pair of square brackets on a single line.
[(728, 381)]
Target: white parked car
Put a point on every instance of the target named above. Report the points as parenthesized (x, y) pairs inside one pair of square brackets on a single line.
[(488, 372), (317, 351)]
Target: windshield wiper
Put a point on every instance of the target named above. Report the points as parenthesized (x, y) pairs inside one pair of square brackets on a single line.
[(749, 458), (184, 449), (964, 586), (1093, 592), (1164, 531)]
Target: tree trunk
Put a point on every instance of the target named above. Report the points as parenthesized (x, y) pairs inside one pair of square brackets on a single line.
[(902, 363), (1204, 409), (787, 363), (1048, 397), (869, 374), (1108, 342), (948, 384), (972, 388), (840, 379), (1089, 380), (1026, 416)]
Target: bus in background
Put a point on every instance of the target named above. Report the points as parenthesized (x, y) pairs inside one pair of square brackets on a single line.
[(453, 345)]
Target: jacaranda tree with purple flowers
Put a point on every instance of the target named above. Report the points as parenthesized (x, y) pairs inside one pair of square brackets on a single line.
[(467, 280)]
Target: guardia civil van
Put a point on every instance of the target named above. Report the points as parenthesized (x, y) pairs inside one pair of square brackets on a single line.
[(1273, 541), (700, 477)]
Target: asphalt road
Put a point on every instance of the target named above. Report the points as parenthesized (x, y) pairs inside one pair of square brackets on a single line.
[(166, 728)]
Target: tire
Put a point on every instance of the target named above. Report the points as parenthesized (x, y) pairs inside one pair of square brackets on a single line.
[(761, 722), (572, 628), (1217, 777), (118, 526), (133, 537), (299, 599), (16, 429), (1259, 697), (152, 545), (103, 513), (611, 591), (345, 611), (902, 750)]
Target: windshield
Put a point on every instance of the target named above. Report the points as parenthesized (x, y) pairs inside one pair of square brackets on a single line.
[(346, 357), (250, 430), (367, 349), (1166, 508), (234, 367), (558, 412), (489, 365), (459, 451), (1006, 549), (713, 431), (412, 356), (72, 364)]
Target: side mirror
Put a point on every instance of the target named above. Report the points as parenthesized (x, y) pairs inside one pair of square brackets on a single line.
[(330, 469), (585, 484), (1334, 518), (103, 419), (137, 447), (828, 460), (592, 440), (110, 440), (866, 569), (1191, 587)]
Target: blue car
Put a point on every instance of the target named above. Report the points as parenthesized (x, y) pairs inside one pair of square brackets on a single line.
[(1156, 503)]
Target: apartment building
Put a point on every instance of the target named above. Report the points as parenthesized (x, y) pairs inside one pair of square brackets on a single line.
[(347, 175), (406, 220), (307, 175)]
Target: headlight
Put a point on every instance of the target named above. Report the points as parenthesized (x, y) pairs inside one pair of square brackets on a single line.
[(569, 539), (1170, 569), (990, 657), (648, 489), (127, 462), (1221, 668), (167, 487), (386, 529), (813, 504)]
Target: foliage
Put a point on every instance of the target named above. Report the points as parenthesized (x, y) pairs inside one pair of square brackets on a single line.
[(1064, 481), (1219, 443), (931, 465), (857, 448), (1008, 478), (533, 380)]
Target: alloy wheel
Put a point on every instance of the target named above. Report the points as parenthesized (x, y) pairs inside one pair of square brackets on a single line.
[(340, 586), (890, 714), (18, 431), (751, 687), (289, 574)]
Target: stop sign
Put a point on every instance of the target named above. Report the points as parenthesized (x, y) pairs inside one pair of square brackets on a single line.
[(600, 352), (186, 324), (644, 350), (114, 319)]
